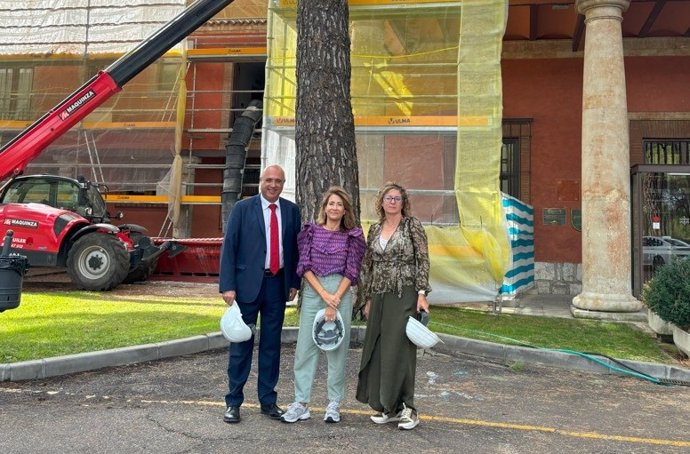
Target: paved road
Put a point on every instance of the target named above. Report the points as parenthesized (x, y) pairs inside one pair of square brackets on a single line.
[(467, 405)]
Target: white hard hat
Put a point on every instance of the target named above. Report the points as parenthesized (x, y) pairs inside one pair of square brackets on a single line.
[(419, 334), (233, 327), (328, 335)]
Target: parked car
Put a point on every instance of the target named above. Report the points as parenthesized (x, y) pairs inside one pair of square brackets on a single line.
[(658, 250)]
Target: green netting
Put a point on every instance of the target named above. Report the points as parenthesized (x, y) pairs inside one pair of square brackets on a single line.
[(426, 95)]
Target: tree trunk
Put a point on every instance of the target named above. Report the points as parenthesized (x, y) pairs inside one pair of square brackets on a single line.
[(324, 129)]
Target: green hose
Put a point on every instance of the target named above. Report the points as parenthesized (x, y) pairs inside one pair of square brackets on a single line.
[(587, 355)]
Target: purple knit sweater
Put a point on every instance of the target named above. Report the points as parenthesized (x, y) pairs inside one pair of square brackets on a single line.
[(325, 252)]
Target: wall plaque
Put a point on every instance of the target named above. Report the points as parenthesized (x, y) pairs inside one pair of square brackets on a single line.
[(576, 218), (553, 216)]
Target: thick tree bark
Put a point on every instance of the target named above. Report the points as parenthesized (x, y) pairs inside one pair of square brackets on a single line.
[(324, 130)]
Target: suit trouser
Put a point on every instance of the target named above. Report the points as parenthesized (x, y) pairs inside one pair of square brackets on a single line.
[(306, 351), (270, 303)]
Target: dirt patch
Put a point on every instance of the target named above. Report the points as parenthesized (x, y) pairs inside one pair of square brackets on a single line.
[(40, 280)]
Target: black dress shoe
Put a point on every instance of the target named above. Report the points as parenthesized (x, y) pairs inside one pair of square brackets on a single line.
[(232, 415), (272, 411)]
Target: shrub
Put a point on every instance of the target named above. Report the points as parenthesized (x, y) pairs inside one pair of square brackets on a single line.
[(668, 293)]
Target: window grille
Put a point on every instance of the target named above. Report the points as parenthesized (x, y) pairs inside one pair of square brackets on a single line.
[(516, 158), (667, 152), (15, 93), (510, 166)]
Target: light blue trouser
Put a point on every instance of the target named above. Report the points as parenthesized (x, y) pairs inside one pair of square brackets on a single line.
[(307, 353)]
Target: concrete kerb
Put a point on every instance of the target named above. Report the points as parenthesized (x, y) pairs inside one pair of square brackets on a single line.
[(511, 354), (504, 354)]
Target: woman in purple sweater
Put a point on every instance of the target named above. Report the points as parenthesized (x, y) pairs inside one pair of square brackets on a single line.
[(330, 257)]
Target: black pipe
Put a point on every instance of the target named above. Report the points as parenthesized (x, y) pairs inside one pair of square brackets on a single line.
[(236, 156), (136, 60)]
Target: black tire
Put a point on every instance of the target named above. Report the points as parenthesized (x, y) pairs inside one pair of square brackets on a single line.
[(140, 271), (657, 262), (98, 261)]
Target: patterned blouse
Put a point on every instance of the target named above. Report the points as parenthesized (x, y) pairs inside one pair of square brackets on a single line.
[(325, 252), (404, 261)]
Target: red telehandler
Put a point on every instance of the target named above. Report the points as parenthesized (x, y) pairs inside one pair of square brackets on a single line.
[(63, 222)]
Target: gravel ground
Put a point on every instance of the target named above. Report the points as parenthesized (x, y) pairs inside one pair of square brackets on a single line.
[(46, 279), (467, 405)]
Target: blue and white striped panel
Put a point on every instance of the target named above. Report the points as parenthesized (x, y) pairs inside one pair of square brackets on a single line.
[(520, 229)]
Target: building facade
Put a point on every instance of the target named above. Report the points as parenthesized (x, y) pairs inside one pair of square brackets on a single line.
[(590, 89)]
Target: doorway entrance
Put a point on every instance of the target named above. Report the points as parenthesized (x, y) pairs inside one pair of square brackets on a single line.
[(661, 219)]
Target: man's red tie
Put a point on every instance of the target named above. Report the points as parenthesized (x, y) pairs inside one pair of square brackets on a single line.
[(274, 262)]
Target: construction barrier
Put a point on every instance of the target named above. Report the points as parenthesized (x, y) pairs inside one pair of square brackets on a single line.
[(198, 262), (520, 224)]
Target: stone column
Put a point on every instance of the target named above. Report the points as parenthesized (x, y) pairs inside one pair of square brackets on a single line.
[(606, 251)]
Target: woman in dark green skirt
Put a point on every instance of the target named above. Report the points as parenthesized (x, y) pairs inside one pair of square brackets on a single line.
[(395, 282)]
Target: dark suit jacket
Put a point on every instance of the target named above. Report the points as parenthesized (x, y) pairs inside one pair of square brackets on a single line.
[(244, 252)]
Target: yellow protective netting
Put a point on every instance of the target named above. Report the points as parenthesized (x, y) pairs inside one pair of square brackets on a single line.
[(479, 144), (426, 95)]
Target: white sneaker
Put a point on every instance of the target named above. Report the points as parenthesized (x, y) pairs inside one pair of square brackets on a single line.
[(382, 418), (295, 412), (408, 419), (332, 412)]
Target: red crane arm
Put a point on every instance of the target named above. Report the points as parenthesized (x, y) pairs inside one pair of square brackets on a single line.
[(27, 146)]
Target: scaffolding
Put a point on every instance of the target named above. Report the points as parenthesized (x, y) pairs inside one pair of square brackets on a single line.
[(149, 143), (50, 48), (426, 97)]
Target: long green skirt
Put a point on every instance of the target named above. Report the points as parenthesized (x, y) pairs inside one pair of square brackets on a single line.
[(389, 359)]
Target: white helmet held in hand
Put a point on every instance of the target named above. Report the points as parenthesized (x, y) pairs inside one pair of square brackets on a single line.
[(233, 327), (419, 334), (328, 335)]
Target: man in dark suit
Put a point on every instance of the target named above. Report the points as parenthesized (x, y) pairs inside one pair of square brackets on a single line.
[(258, 272)]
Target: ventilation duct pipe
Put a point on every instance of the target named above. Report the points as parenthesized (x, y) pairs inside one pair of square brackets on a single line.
[(236, 156)]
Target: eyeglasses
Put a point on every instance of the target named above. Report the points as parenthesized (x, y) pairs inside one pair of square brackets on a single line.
[(391, 199)]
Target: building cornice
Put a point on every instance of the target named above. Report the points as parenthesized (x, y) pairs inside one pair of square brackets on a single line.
[(632, 47)]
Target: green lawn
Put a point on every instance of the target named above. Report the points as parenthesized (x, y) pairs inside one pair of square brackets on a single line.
[(67, 322), (618, 340)]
